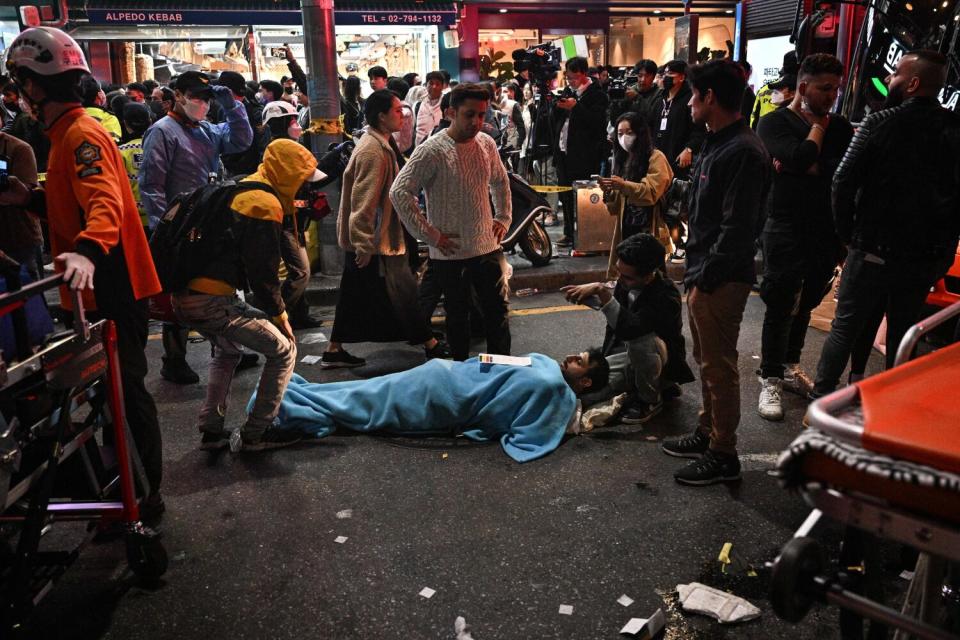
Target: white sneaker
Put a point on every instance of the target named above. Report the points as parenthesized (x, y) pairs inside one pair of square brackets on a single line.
[(770, 406), (796, 380)]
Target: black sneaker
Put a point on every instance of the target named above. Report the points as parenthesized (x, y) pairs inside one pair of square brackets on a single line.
[(640, 412), (440, 350), (692, 446), (247, 361), (177, 371), (339, 360), (273, 439), (712, 468), (214, 440), (152, 509)]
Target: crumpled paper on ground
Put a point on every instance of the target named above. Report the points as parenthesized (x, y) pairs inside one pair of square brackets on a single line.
[(723, 606), (603, 413)]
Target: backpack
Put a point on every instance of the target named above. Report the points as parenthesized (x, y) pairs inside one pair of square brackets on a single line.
[(196, 229)]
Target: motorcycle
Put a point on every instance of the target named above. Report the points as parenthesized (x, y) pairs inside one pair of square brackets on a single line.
[(526, 229)]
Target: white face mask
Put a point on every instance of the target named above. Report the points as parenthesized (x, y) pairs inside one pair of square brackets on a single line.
[(294, 130), (196, 109), (627, 140), (777, 97)]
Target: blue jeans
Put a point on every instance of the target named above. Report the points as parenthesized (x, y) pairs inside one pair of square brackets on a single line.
[(228, 322), (869, 288)]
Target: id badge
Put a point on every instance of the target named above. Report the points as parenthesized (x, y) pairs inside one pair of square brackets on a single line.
[(663, 124)]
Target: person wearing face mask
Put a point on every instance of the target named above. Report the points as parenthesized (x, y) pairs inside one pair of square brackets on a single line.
[(896, 195), (280, 123), (641, 176), (180, 152), (763, 104), (378, 291), (245, 162), (801, 249), (782, 91), (270, 91), (95, 103)]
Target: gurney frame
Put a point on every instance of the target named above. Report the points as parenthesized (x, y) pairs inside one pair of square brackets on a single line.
[(800, 575), (79, 371)]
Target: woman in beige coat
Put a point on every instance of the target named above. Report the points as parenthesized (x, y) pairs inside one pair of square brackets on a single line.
[(378, 291), (634, 193)]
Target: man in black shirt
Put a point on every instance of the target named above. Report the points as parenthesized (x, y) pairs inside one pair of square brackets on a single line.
[(801, 250), (730, 184), (896, 195), (644, 343)]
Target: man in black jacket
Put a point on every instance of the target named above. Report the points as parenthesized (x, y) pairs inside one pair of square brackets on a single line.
[(801, 250), (896, 197), (581, 135), (730, 184), (644, 342), (674, 131), (245, 162)]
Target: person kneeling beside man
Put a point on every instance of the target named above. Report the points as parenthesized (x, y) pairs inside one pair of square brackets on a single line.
[(528, 403), (644, 343), (210, 304)]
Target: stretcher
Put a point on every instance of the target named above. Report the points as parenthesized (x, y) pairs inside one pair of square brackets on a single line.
[(882, 458), (66, 455)]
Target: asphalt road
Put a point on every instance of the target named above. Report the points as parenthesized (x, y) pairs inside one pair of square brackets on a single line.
[(252, 538)]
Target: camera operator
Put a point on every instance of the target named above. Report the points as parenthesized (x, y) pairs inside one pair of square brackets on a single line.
[(581, 125), (639, 97)]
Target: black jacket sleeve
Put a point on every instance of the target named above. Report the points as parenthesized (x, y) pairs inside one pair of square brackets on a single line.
[(260, 252), (797, 156), (849, 176)]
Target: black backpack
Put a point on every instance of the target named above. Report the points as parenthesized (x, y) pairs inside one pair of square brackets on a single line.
[(196, 229)]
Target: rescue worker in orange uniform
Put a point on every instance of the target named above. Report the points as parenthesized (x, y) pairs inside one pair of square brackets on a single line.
[(95, 230)]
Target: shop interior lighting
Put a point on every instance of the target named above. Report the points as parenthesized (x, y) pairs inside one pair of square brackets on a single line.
[(909, 6), (657, 11), (503, 10)]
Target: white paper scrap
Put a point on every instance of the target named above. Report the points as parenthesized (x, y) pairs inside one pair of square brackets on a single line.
[(725, 607), (634, 626), (345, 514), (566, 609), (312, 338), (427, 592), (625, 600), (310, 359), (513, 361), (340, 539)]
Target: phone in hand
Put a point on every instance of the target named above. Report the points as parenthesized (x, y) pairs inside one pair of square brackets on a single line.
[(4, 173)]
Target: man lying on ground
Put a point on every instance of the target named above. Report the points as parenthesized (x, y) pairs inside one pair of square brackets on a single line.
[(528, 406)]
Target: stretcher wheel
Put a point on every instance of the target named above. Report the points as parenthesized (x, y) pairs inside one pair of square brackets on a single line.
[(792, 589), (146, 555)]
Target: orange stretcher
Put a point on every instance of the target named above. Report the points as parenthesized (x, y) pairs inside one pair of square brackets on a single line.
[(882, 458)]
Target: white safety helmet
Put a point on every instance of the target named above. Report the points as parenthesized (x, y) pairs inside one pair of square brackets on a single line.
[(45, 51), (277, 109)]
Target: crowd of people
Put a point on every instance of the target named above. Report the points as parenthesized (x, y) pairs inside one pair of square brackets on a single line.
[(694, 166)]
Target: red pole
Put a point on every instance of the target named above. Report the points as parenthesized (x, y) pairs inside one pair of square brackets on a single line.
[(128, 493)]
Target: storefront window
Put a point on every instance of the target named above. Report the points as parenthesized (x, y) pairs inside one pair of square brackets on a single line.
[(639, 38), (497, 47)]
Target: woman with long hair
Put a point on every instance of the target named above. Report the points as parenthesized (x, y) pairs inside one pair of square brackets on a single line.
[(378, 292), (641, 176), (351, 105)]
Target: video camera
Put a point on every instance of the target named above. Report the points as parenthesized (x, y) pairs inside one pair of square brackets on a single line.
[(542, 60), (617, 89)]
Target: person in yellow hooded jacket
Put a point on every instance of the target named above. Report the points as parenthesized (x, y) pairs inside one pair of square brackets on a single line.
[(210, 303)]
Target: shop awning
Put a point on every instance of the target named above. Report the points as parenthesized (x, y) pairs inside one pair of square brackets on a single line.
[(258, 12)]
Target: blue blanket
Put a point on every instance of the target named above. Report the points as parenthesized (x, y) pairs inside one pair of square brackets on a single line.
[(528, 408)]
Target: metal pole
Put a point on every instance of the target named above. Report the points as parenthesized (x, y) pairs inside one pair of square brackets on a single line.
[(320, 44)]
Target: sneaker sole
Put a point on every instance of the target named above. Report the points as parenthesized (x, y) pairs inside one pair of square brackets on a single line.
[(771, 418), (340, 365), (676, 454), (267, 446), (215, 446), (645, 419), (704, 483)]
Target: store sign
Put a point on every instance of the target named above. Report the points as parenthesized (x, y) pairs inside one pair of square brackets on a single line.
[(444, 16)]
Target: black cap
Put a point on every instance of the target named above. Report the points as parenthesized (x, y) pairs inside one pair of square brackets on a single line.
[(788, 81), (233, 81), (193, 82), (790, 63)]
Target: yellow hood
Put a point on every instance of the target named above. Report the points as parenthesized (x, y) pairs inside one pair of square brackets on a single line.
[(286, 164)]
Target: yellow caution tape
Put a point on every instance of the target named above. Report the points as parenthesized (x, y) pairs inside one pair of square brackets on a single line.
[(326, 126), (42, 177), (542, 188)]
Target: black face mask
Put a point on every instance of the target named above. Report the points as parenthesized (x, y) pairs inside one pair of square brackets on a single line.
[(288, 90), (667, 83)]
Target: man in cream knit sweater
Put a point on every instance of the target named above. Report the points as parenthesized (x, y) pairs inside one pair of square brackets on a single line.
[(460, 171)]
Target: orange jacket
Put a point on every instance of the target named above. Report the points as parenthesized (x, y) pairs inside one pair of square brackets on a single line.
[(90, 207)]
